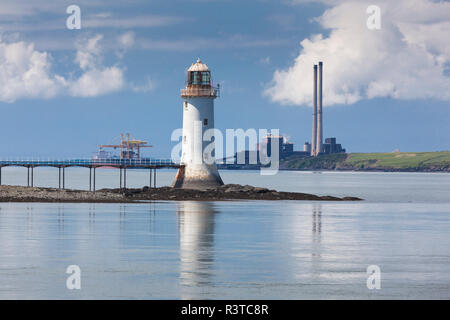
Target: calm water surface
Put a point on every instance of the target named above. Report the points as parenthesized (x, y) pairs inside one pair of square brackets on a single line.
[(234, 250)]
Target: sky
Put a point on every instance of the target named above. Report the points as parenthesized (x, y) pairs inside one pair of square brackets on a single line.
[(65, 91)]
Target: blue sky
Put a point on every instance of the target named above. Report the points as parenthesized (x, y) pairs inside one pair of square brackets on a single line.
[(75, 89)]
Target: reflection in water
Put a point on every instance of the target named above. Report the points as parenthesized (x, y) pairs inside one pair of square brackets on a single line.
[(317, 221), (316, 230), (225, 250), (91, 218), (196, 225), (60, 219), (29, 220), (122, 217)]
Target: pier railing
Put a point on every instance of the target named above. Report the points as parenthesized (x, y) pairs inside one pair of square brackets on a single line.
[(130, 163), (122, 164)]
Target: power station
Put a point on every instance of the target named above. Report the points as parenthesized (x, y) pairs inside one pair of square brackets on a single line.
[(286, 149), (317, 146), (198, 168)]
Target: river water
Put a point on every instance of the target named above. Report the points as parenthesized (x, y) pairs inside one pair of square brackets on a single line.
[(233, 249)]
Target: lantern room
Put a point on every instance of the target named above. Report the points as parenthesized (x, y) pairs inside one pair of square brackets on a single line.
[(199, 74), (199, 82)]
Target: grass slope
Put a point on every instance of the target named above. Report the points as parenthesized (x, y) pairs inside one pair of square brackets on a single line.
[(404, 161), (399, 160), (329, 161)]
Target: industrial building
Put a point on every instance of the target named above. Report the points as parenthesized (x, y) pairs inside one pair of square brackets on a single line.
[(330, 146), (307, 147), (252, 157), (284, 148)]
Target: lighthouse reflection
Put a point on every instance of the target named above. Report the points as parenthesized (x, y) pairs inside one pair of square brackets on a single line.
[(317, 220), (196, 226)]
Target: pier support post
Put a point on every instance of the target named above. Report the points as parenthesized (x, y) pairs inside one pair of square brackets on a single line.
[(90, 178), (32, 176), (59, 177), (1, 176), (120, 179), (28, 176), (150, 184), (125, 178), (64, 178), (94, 178), (154, 178)]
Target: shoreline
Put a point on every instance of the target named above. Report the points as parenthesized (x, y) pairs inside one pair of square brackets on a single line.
[(344, 170), (227, 192), (438, 161)]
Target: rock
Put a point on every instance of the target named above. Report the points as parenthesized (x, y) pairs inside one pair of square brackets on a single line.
[(226, 192), (260, 190)]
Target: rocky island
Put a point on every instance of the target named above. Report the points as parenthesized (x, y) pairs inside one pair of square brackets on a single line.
[(225, 192)]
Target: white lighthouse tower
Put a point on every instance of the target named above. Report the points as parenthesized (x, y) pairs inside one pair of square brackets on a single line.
[(198, 171)]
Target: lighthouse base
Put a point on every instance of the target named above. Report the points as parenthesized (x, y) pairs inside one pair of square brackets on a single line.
[(197, 177)]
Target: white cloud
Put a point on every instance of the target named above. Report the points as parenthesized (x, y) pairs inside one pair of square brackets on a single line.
[(89, 53), (28, 8), (196, 43), (27, 73), (126, 40), (144, 21), (96, 79), (149, 85), (97, 82), (406, 59), (264, 61)]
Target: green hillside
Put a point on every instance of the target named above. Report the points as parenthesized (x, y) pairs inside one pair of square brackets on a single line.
[(395, 161), (329, 161)]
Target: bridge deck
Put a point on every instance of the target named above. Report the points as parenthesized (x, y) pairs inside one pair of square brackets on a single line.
[(93, 163)]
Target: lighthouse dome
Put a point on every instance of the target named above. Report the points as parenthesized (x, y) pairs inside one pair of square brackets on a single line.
[(199, 66), (199, 82)]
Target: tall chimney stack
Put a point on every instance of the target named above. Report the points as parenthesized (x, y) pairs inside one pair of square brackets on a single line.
[(319, 140), (314, 124)]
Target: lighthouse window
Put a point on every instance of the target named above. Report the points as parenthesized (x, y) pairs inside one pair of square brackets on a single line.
[(184, 139), (197, 77), (205, 122), (185, 105), (206, 77)]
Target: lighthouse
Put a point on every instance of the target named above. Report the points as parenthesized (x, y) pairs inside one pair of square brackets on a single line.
[(198, 169)]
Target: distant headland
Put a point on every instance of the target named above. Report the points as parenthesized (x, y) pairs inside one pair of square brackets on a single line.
[(385, 162), (389, 162)]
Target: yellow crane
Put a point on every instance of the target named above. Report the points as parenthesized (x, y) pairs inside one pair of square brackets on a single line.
[(130, 148)]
